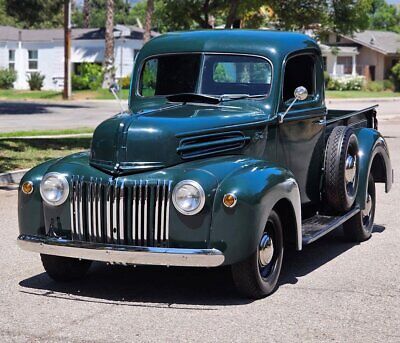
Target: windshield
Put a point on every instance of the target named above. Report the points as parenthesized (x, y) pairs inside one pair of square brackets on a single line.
[(205, 74)]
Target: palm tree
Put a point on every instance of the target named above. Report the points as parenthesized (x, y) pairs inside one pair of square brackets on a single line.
[(86, 13), (149, 15), (109, 72)]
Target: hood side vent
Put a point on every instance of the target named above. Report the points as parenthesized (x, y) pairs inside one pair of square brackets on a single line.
[(210, 144)]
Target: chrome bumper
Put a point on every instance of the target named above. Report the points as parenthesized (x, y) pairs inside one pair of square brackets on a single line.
[(122, 254)]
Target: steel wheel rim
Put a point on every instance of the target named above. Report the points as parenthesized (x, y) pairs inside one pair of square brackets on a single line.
[(367, 212), (350, 172)]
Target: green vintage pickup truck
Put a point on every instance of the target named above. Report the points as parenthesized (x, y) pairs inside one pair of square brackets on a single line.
[(226, 156)]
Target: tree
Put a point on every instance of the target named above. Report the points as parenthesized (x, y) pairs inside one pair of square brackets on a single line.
[(149, 15), (36, 13), (5, 19), (109, 71), (86, 13), (384, 16)]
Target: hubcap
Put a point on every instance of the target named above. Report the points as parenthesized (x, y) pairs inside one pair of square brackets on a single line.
[(266, 250), (350, 171)]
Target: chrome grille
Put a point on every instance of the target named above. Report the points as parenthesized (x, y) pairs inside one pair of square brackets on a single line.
[(120, 211)]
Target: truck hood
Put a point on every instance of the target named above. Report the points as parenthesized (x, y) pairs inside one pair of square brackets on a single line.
[(152, 139)]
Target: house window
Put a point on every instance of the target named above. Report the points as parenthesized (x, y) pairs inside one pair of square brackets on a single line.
[(346, 64), (11, 59), (32, 59)]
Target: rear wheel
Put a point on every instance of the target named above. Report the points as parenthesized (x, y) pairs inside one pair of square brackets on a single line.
[(359, 227), (65, 268), (257, 276)]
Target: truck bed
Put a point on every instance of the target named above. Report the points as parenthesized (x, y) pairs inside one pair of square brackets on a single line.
[(356, 119)]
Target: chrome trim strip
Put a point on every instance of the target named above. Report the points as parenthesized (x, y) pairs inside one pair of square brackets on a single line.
[(123, 254), (156, 219), (134, 226), (139, 226), (80, 210), (121, 222), (146, 194), (114, 223), (167, 210), (162, 227), (71, 207), (108, 212)]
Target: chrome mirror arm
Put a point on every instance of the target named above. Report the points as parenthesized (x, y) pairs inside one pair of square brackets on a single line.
[(114, 88), (300, 93), (283, 115)]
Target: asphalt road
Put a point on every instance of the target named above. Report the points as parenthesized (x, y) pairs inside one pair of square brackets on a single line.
[(36, 115), (331, 291)]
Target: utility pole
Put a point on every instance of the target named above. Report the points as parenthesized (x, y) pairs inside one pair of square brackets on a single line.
[(67, 50)]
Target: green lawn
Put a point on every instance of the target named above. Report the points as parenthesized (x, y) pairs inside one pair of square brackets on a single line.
[(32, 133), (27, 153), (101, 94), (360, 94)]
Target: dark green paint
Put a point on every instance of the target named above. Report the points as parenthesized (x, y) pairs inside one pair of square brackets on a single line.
[(276, 162)]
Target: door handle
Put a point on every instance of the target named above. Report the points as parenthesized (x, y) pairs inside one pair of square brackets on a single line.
[(320, 122)]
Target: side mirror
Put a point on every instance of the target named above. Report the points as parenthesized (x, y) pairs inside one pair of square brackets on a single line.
[(300, 94), (114, 88)]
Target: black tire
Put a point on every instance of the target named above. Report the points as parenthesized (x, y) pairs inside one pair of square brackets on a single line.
[(252, 278), (359, 228), (341, 170), (65, 269)]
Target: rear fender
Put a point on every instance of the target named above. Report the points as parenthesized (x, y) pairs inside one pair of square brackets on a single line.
[(373, 157), (258, 188)]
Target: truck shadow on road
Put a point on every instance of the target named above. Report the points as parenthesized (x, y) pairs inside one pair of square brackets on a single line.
[(184, 288), (26, 107)]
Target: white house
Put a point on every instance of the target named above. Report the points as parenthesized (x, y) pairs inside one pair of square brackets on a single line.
[(42, 51)]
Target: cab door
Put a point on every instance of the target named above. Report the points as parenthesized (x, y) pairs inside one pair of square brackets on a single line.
[(300, 143)]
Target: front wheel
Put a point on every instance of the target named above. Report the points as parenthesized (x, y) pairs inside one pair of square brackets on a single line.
[(64, 269), (258, 275), (359, 227)]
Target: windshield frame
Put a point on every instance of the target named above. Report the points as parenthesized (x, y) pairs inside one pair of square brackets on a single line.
[(200, 77)]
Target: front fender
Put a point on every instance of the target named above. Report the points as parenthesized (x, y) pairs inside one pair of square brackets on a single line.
[(373, 157), (258, 187)]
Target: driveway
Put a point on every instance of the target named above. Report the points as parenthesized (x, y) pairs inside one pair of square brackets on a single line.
[(331, 291), (36, 115)]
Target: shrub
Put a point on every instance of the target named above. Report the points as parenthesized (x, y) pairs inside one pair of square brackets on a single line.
[(388, 85), (125, 82), (346, 84), (7, 78), (327, 78), (374, 86), (35, 81), (90, 76), (395, 76)]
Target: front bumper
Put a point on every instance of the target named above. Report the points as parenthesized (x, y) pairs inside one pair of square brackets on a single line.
[(122, 254)]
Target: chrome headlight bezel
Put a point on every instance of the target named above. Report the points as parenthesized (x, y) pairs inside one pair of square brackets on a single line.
[(200, 190), (63, 182)]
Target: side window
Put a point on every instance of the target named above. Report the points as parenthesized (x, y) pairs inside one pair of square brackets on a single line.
[(299, 71)]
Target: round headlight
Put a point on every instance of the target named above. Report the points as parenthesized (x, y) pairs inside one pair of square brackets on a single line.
[(54, 189), (188, 197)]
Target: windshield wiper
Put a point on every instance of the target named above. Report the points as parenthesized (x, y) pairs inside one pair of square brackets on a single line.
[(230, 97), (193, 97)]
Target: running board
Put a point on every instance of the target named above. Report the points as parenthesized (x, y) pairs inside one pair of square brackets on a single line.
[(319, 225)]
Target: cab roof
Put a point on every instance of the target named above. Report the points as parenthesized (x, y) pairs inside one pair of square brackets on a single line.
[(275, 45)]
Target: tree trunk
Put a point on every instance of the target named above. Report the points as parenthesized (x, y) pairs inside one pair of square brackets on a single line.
[(231, 18), (109, 72), (86, 13), (147, 26)]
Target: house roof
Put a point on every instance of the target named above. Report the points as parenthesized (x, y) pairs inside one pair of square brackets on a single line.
[(385, 42), (342, 50), (8, 33)]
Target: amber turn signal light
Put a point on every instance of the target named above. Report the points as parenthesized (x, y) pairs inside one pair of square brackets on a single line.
[(27, 187), (229, 200)]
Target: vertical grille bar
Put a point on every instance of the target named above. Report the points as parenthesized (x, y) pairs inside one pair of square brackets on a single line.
[(72, 208), (156, 216), (146, 194), (121, 208), (100, 211), (167, 211)]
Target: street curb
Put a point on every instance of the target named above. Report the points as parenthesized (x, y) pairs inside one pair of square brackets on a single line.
[(12, 177), (394, 99)]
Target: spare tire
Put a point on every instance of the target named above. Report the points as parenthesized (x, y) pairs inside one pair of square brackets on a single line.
[(341, 169)]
